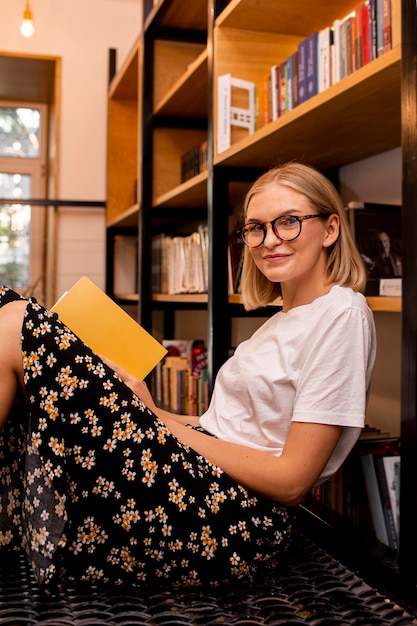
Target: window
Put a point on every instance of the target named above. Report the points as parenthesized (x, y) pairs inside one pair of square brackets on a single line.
[(23, 149)]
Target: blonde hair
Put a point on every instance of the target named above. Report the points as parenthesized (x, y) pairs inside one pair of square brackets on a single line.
[(344, 265)]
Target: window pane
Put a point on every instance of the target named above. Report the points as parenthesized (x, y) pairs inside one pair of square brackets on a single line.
[(19, 132), (15, 231)]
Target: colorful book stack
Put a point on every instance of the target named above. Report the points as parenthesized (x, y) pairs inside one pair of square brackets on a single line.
[(321, 60), (324, 58), (180, 382)]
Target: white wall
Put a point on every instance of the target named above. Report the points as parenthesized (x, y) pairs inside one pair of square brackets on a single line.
[(81, 33)]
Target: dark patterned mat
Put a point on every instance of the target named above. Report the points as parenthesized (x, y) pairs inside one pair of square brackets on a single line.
[(313, 589)]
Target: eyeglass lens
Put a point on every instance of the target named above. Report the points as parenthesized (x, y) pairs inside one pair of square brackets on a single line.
[(285, 227)]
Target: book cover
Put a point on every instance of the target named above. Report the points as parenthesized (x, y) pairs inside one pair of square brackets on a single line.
[(392, 465), (386, 502), (107, 329), (374, 500), (377, 232)]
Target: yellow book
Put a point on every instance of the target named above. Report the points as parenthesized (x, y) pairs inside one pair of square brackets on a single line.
[(107, 329)]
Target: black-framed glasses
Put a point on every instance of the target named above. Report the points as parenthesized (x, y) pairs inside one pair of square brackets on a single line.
[(286, 228)]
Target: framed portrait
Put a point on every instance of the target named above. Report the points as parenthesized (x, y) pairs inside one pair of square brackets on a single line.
[(377, 231)]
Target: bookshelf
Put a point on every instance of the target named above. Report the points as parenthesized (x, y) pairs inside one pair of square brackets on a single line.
[(172, 106)]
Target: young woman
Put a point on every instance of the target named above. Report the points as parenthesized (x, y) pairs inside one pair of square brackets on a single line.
[(100, 485)]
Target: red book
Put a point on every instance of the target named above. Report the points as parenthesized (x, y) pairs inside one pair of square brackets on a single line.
[(366, 34)]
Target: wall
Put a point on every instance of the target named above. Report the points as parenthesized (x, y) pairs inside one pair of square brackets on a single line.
[(81, 33)]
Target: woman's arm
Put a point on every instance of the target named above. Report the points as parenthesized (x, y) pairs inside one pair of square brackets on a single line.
[(285, 479)]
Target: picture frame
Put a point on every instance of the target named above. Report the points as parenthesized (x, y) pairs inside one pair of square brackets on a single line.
[(377, 232)]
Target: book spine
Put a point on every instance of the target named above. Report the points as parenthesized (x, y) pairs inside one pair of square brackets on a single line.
[(358, 38), (312, 79), (302, 71), (294, 76), (274, 93), (372, 30), (379, 29), (223, 112), (325, 42), (283, 88), (366, 34), (386, 26), (337, 66)]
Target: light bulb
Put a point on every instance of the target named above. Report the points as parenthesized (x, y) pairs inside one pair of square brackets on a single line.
[(27, 28)]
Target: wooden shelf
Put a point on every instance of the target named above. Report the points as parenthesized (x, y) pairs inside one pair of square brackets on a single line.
[(123, 138), (191, 194), (173, 15), (124, 85), (385, 303), (365, 104), (181, 298), (127, 297), (188, 96), (128, 218)]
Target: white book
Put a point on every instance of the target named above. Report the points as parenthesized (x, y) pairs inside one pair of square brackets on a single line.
[(274, 93), (325, 40), (224, 103), (337, 74)]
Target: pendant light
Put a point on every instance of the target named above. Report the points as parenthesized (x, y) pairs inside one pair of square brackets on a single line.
[(27, 27)]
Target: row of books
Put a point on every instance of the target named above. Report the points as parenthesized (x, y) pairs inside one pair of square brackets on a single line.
[(194, 161), (180, 380), (365, 491), (322, 59), (180, 263)]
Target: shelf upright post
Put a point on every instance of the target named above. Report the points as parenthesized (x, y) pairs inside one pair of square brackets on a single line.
[(219, 323), (145, 180), (408, 480)]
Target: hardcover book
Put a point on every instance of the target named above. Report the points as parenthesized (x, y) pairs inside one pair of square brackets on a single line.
[(107, 329)]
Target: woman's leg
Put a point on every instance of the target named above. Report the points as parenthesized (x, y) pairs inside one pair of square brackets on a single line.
[(11, 369)]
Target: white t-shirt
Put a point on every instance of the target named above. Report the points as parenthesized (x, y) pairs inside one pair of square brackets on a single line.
[(311, 364)]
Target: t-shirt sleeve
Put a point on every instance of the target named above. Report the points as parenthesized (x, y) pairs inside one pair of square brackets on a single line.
[(334, 377)]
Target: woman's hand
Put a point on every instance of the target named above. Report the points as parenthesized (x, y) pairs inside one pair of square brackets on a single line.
[(139, 387)]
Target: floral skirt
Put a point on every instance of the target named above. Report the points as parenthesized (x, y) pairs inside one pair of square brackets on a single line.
[(97, 490)]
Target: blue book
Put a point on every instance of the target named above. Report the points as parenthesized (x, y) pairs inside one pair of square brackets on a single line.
[(312, 65), (302, 71)]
